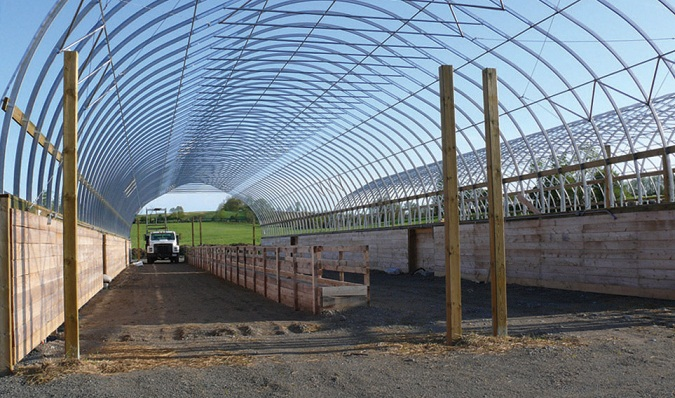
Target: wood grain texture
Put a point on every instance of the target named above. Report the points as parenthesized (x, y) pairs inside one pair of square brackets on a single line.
[(289, 275), (495, 203), (453, 287)]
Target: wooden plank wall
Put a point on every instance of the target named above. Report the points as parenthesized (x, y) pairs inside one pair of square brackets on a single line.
[(630, 255), (37, 261), (116, 254), (388, 248), (290, 275), (633, 254), (424, 249)]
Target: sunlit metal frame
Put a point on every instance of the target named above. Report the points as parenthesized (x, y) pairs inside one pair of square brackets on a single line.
[(324, 115)]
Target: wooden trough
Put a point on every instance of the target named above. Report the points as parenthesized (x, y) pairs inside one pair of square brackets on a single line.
[(308, 278)]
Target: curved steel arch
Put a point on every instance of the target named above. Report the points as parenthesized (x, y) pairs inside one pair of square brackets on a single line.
[(333, 104)]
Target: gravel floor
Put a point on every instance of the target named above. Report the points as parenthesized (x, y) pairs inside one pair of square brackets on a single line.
[(169, 330)]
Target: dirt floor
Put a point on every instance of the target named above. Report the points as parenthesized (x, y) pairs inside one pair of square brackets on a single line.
[(169, 330)]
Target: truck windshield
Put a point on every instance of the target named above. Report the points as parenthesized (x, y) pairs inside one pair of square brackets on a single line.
[(163, 236)]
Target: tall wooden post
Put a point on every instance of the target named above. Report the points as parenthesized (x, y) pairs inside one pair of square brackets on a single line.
[(609, 192), (453, 281), (7, 360), (201, 242), (70, 266), (495, 201)]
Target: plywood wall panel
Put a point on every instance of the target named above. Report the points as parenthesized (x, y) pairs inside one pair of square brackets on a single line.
[(37, 263), (632, 254)]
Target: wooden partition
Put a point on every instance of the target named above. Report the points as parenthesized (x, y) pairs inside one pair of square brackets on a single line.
[(308, 278), (32, 276), (626, 251)]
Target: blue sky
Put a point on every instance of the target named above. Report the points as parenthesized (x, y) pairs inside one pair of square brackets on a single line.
[(19, 20)]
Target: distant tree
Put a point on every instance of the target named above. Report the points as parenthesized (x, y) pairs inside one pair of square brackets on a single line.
[(232, 204), (177, 213), (244, 212)]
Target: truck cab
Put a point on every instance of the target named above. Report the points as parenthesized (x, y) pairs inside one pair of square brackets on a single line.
[(162, 245)]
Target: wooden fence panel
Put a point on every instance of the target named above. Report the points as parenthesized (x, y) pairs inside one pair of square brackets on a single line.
[(293, 275)]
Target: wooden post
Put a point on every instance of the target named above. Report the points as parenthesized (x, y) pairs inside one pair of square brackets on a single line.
[(200, 232), (296, 301), (315, 307), (276, 254), (668, 185), (495, 200), (609, 192), (255, 272), (7, 360), (238, 251), (70, 266), (231, 257), (138, 239), (104, 253), (264, 252), (193, 232), (341, 256), (366, 275), (453, 276), (246, 264)]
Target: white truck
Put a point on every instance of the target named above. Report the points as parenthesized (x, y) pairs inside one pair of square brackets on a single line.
[(162, 245)]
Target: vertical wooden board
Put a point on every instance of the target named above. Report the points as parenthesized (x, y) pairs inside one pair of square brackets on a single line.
[(7, 359), (117, 255), (271, 288)]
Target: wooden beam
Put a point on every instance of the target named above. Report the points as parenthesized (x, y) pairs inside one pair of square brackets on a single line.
[(70, 266), (19, 117), (7, 360), (526, 202), (495, 202), (668, 185), (609, 192), (453, 276)]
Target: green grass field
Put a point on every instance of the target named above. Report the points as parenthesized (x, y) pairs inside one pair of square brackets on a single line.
[(213, 233)]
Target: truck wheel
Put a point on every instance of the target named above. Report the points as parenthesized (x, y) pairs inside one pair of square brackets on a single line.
[(151, 260)]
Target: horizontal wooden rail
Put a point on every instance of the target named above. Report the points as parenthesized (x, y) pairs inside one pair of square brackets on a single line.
[(20, 118), (543, 173)]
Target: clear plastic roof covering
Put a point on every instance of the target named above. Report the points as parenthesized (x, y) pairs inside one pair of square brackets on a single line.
[(312, 106)]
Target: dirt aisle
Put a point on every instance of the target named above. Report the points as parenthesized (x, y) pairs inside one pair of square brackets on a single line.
[(167, 305), (172, 330)]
